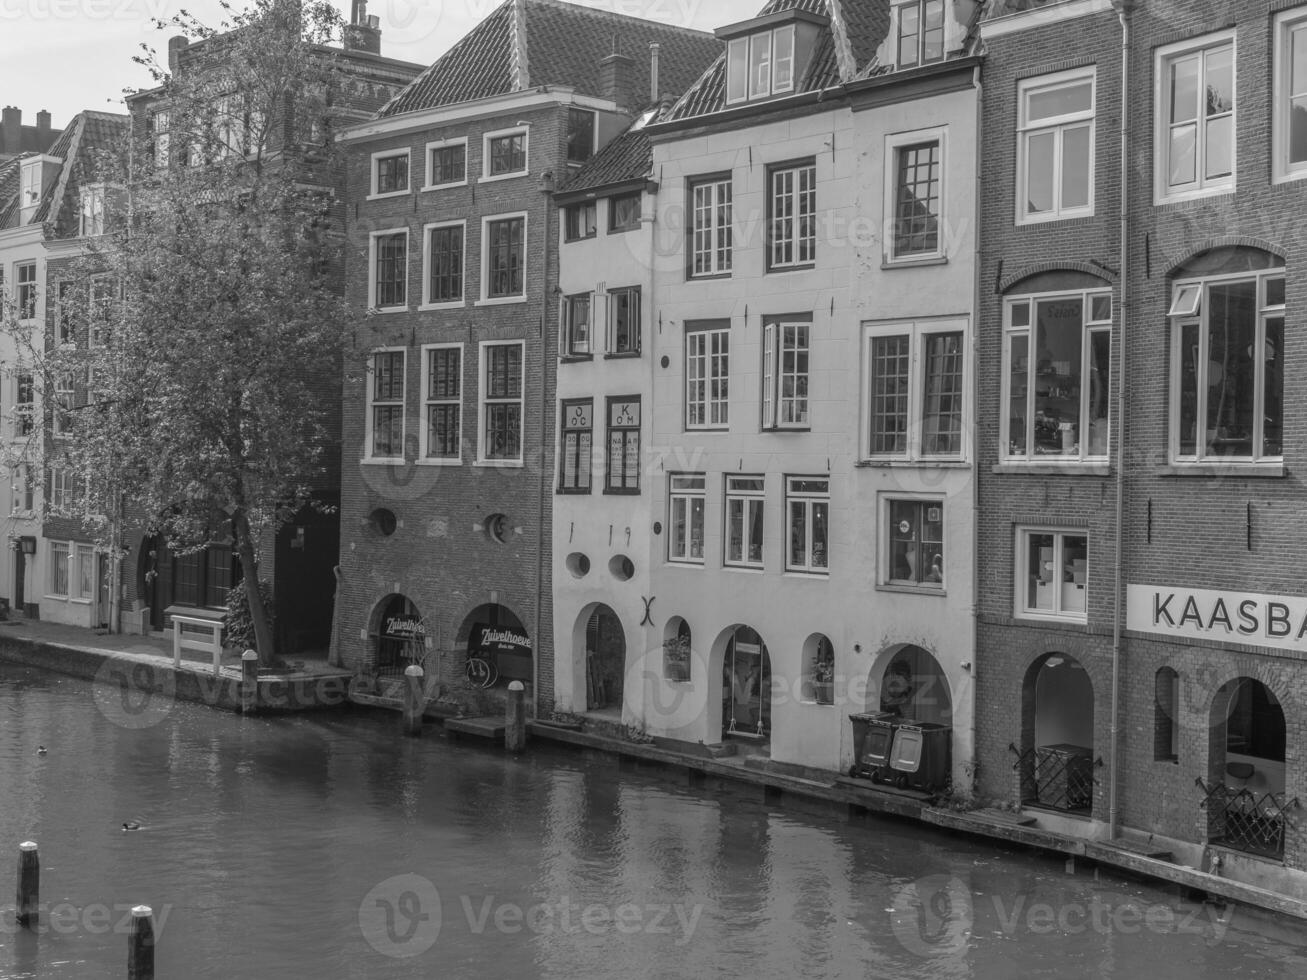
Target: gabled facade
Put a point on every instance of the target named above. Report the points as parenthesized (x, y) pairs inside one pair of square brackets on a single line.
[(449, 458), (814, 291)]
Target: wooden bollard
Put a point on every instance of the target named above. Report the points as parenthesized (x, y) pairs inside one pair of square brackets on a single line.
[(249, 682), (415, 699), (29, 885), (140, 944), (515, 731)]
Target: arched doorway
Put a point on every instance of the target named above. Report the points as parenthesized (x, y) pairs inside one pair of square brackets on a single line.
[(913, 687), (1246, 752), (1057, 735), (494, 633), (398, 634), (746, 686), (605, 660)]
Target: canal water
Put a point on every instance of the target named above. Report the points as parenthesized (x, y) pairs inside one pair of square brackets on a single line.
[(328, 846)]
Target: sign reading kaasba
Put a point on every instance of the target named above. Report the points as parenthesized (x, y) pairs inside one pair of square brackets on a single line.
[(1234, 617)]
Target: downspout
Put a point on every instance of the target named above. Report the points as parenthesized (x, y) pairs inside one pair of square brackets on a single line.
[(975, 443), (547, 189), (1124, 8)]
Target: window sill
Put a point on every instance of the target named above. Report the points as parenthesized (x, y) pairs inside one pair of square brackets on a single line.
[(580, 238), (1265, 471), (439, 462), (707, 429), (501, 301), (575, 358), (685, 562), (389, 309), (387, 196), (633, 355), (1051, 619), (442, 187), (781, 270), (913, 262), (496, 178), (569, 492), (746, 569), (910, 589), (1050, 468), (801, 573), (1187, 197), (500, 464), (782, 429), (621, 493), (383, 461), (715, 277), (456, 304), (914, 464), (1038, 221), (1288, 177)]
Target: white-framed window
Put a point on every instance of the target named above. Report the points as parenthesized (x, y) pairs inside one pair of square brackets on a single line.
[(60, 495), (760, 65), (104, 298), (576, 325), (24, 404), (388, 270), (707, 374), (443, 262), (687, 500), (1227, 368), (624, 212), (30, 182), (580, 221), (792, 216), (81, 579), (162, 142), (59, 555), (581, 130), (913, 536), (624, 321), (504, 153), (914, 196), (1057, 376), (915, 390), (91, 212), (919, 29), (623, 470), (446, 164), (743, 522), (1055, 146), (390, 173), (807, 505), (503, 258), (785, 354), (576, 454), (1052, 574), (1195, 113), (711, 229), (25, 294), (1289, 134), (442, 395), (385, 421), (23, 493), (66, 315), (65, 393), (500, 424)]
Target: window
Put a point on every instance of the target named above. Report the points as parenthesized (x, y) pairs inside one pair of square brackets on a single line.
[(576, 455), (624, 212), (32, 171), (917, 197), (914, 533), (59, 568), (24, 404), (24, 494), (389, 173), (807, 502), (915, 392), (501, 403), (92, 210), (444, 264), (162, 142), (1052, 574), (1057, 364), (104, 299), (761, 65), (711, 238), (59, 491), (25, 280), (444, 401), (505, 258), (1196, 118), (505, 154), (1227, 368), (744, 524), (386, 406), (920, 32), (580, 221), (66, 312), (389, 270), (1166, 716), (63, 400), (707, 375), (1290, 127), (82, 580), (792, 216), (785, 372), (623, 445), (687, 496), (446, 164), (624, 320), (1056, 147), (580, 135), (576, 325)]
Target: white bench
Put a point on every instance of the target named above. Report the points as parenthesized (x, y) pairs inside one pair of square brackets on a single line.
[(194, 633)]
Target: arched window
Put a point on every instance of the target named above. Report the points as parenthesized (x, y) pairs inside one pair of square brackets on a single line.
[(1166, 723), (676, 651), (819, 670)]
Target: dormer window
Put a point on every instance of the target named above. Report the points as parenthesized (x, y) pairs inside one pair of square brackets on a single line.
[(31, 187), (760, 65), (920, 32), (92, 210)]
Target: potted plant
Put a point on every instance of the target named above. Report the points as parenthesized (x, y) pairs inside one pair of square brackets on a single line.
[(823, 680)]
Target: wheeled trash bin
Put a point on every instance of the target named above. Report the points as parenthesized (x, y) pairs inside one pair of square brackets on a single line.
[(873, 738), (922, 756)]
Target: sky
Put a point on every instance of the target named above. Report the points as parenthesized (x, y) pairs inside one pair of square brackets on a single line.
[(70, 55)]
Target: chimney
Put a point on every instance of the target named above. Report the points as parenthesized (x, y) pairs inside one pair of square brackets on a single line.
[(654, 50), (363, 32), (615, 73), (43, 129), (176, 45), (11, 130)]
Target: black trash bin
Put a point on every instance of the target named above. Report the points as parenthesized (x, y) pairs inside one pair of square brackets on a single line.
[(922, 756), (873, 738)]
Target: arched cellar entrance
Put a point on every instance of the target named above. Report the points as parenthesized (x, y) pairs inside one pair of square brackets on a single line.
[(746, 686), (1057, 735), (604, 650)]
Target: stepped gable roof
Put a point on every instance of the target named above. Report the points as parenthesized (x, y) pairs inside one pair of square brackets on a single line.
[(526, 44)]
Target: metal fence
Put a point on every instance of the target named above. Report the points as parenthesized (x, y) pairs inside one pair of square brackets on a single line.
[(1243, 820)]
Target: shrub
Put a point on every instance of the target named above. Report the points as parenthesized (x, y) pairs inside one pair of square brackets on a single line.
[(238, 624)]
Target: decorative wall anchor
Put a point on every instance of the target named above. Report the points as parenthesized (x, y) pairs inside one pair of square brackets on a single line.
[(648, 610)]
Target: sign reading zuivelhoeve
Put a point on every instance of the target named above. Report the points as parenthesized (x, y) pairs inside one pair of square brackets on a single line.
[(1234, 617)]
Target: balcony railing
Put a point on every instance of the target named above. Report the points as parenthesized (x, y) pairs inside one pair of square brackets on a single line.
[(1057, 777), (1243, 820)]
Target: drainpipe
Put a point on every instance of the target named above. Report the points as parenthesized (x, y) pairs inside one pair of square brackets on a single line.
[(547, 189), (975, 443), (1124, 8)]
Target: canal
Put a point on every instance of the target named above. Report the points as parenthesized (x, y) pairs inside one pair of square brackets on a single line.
[(327, 846)]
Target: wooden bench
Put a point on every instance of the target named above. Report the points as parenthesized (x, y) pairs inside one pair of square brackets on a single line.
[(195, 633)]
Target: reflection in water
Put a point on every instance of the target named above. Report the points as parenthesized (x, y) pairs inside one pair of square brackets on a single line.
[(314, 848)]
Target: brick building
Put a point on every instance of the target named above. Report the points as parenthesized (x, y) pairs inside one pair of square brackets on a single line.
[(449, 456)]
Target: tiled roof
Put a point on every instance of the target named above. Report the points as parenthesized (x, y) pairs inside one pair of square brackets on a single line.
[(562, 44), (628, 157), (79, 148), (969, 43), (9, 186)]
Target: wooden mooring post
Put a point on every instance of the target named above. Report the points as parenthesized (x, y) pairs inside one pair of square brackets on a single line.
[(29, 885), (249, 682), (415, 699), (515, 728), (140, 944)]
